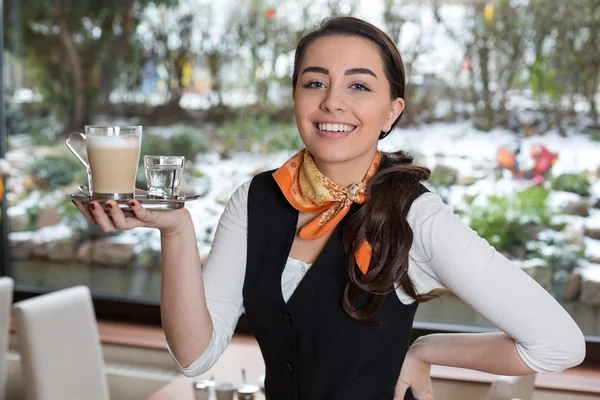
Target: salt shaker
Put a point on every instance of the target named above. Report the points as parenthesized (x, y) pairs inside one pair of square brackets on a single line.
[(247, 392), (202, 389)]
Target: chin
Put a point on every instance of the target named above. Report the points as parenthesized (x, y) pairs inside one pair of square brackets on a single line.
[(332, 152)]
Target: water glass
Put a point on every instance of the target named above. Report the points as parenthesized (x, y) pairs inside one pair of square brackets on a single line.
[(163, 175)]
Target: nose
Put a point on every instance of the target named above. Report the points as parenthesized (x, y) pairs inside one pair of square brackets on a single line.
[(333, 100)]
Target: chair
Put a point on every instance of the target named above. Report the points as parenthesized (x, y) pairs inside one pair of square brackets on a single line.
[(6, 294), (61, 354), (512, 387)]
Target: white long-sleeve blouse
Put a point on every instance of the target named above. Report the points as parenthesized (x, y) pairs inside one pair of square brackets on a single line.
[(445, 253)]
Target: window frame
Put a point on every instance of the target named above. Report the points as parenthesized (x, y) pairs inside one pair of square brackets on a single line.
[(143, 311)]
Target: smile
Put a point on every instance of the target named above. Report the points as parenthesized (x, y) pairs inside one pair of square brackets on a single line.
[(335, 127)]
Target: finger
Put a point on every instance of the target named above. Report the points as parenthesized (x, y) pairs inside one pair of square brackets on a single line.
[(424, 394), (400, 391), (86, 213), (117, 216), (129, 214), (101, 217), (145, 216)]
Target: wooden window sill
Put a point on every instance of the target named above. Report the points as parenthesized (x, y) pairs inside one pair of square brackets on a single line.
[(584, 379)]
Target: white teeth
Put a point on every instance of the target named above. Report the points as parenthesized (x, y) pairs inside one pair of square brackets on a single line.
[(336, 127)]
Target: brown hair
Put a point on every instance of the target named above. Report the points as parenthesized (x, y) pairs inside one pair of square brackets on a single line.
[(382, 219)]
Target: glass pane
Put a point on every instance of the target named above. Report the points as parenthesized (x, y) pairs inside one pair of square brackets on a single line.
[(501, 104)]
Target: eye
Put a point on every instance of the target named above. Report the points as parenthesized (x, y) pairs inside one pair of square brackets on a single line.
[(314, 85), (360, 87)]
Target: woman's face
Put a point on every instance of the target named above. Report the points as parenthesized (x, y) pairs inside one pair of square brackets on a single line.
[(342, 99)]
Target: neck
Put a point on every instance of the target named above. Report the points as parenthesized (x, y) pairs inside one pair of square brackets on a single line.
[(347, 172)]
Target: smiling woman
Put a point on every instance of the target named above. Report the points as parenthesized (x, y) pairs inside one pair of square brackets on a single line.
[(330, 254)]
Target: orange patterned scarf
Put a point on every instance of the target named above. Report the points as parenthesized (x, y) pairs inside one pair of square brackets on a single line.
[(308, 190)]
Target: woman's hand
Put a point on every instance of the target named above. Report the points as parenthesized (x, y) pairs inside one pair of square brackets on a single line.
[(416, 375), (111, 218)]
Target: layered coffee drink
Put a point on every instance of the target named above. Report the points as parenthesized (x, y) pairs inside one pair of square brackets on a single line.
[(113, 154), (114, 162)]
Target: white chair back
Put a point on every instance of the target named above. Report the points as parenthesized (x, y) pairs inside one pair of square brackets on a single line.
[(6, 297), (61, 354)]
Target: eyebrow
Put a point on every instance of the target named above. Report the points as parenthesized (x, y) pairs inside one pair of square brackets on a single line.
[(351, 71)]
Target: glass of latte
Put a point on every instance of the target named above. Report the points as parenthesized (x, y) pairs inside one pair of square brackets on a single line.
[(113, 153)]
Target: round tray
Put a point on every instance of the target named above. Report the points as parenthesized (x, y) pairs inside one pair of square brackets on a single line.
[(148, 203)]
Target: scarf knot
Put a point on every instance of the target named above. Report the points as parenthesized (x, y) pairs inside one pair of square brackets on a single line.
[(308, 190)]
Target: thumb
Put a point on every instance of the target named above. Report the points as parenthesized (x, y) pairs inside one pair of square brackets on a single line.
[(400, 391), (145, 216)]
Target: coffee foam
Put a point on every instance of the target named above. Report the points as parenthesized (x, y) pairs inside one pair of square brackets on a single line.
[(118, 142)]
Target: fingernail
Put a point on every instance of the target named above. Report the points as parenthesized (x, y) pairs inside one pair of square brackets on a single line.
[(93, 206), (132, 203), (109, 205)]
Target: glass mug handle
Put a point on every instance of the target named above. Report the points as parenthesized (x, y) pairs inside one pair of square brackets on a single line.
[(81, 160)]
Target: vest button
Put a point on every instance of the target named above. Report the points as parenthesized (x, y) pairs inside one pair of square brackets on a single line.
[(287, 317), (289, 366)]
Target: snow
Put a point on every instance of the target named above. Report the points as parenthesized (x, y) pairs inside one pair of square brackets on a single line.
[(593, 221), (54, 232), (559, 200), (590, 272), (21, 236), (592, 248)]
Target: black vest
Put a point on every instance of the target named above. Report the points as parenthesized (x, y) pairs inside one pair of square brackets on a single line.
[(312, 349)]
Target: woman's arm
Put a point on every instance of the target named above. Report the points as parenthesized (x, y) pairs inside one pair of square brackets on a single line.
[(200, 308), (539, 334), (185, 318), (494, 353)]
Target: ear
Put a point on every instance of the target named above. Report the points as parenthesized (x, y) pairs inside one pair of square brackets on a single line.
[(396, 109)]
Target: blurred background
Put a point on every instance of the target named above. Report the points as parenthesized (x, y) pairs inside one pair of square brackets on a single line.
[(502, 105)]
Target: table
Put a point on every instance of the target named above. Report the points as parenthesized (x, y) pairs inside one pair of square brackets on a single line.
[(242, 352)]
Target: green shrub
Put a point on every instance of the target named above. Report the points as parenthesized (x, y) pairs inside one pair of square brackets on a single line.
[(258, 133), (55, 171), (184, 141), (574, 183), (509, 222), (443, 176)]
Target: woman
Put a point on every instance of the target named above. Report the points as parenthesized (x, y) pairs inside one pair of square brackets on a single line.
[(329, 255)]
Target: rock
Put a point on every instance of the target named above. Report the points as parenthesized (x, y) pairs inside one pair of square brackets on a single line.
[(147, 259), (466, 180), (55, 242), (597, 204), (21, 245), (594, 259), (48, 216), (18, 222), (590, 285), (84, 253), (60, 250), (593, 232), (223, 197), (443, 176), (574, 234), (572, 286), (542, 274), (107, 251), (580, 208)]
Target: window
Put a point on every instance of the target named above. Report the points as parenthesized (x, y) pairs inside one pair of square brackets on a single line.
[(501, 105)]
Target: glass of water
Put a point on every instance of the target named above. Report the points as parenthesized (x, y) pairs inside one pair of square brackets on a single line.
[(163, 175)]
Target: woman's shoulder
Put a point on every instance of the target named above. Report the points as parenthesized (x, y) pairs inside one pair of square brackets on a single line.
[(424, 206)]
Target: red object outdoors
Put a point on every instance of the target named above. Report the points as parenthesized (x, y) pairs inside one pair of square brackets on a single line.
[(270, 13)]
